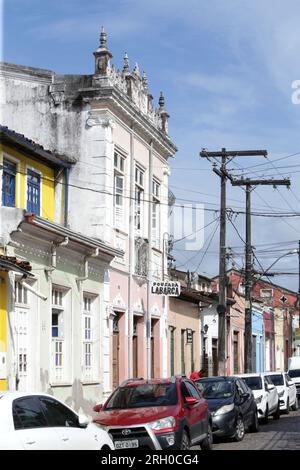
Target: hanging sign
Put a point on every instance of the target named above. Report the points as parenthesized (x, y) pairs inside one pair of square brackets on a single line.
[(169, 288), (189, 336)]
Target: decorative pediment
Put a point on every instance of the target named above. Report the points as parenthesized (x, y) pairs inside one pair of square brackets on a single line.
[(138, 307), (155, 311), (118, 302)]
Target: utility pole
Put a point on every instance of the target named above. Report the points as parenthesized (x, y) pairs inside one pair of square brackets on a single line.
[(222, 307), (299, 285), (249, 264)]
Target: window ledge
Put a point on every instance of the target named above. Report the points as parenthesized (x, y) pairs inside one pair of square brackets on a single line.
[(120, 231), (60, 384), (90, 382)]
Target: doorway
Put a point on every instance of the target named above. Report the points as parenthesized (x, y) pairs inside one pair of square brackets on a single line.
[(115, 352)]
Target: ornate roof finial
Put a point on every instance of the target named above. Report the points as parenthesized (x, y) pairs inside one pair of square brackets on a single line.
[(136, 70), (145, 80), (161, 101), (126, 64), (102, 56), (103, 38)]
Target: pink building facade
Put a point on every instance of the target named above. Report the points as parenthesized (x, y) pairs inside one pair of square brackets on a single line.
[(109, 127)]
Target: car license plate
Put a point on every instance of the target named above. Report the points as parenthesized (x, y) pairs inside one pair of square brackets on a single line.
[(128, 444)]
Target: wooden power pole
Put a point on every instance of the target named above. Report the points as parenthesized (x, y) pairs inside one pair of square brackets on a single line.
[(249, 262), (221, 308)]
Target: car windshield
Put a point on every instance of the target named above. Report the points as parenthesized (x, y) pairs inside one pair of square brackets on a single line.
[(294, 373), (215, 388), (276, 379), (138, 396), (253, 382)]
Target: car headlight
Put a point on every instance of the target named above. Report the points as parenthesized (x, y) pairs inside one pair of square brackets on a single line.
[(259, 399), (280, 394), (224, 409), (162, 424)]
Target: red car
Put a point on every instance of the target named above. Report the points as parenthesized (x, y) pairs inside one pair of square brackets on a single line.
[(156, 414)]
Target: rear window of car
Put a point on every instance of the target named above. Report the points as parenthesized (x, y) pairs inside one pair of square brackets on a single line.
[(253, 382), (213, 389), (276, 379), (294, 373), (139, 396), (28, 413)]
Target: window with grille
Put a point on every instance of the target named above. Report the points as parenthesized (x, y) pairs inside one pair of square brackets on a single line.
[(156, 214), (266, 293), (33, 192), (119, 187), (57, 333), (139, 200), (21, 294), (88, 336), (9, 184)]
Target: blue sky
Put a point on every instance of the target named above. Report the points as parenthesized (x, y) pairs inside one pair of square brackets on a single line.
[(226, 70)]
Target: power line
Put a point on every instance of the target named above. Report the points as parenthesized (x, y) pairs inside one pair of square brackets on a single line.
[(196, 231), (210, 242), (192, 201)]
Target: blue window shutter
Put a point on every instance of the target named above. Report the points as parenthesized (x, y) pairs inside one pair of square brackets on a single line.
[(9, 184), (33, 192)]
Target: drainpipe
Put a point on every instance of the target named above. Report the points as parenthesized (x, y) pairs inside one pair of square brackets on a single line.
[(150, 373), (53, 251), (66, 197), (31, 289), (86, 265), (131, 258)]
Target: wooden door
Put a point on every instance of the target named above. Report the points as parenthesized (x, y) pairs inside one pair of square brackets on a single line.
[(215, 356), (115, 353)]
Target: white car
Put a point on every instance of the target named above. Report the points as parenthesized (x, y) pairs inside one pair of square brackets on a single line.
[(286, 390), (41, 422), (294, 371), (265, 394)]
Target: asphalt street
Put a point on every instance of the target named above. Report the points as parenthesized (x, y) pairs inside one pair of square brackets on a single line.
[(275, 435)]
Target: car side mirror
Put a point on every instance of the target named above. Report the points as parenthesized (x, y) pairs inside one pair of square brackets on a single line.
[(83, 421), (98, 408), (270, 387), (191, 401), (245, 396), (290, 383)]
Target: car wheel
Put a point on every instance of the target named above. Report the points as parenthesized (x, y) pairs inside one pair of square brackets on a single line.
[(207, 443), (295, 405), (254, 427), (185, 441), (239, 429), (276, 415), (266, 417), (287, 410)]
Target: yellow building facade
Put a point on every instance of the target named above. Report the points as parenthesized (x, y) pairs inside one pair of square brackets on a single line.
[(28, 175), (24, 164)]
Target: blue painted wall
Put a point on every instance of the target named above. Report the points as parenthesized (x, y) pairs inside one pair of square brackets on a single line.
[(258, 331)]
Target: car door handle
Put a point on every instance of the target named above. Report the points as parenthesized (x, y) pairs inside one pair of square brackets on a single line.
[(30, 441)]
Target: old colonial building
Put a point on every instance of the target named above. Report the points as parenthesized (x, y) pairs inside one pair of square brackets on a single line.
[(278, 305), (54, 305), (107, 125)]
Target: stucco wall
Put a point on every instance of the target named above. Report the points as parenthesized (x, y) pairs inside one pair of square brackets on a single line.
[(183, 315)]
